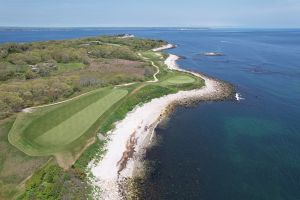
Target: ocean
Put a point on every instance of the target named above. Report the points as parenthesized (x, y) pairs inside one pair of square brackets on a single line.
[(247, 149)]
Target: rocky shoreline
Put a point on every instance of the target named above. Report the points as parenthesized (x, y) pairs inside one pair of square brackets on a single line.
[(132, 136), (131, 187)]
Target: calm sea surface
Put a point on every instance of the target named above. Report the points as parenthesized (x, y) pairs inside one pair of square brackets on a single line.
[(246, 150)]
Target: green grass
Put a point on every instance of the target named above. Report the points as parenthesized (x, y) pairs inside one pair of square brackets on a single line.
[(65, 67), (51, 183), (48, 130), (182, 79), (143, 95), (65, 128), (72, 128), (15, 166)]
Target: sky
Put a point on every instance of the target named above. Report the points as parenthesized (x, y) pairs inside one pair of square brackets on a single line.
[(151, 13)]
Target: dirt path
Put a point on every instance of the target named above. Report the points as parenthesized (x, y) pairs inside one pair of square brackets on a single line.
[(155, 79), (154, 65), (31, 109), (154, 75)]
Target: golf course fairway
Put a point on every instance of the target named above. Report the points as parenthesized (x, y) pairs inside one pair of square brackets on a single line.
[(50, 129)]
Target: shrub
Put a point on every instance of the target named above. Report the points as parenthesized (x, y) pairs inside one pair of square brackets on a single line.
[(3, 53), (15, 48), (29, 74), (17, 58), (12, 99), (112, 52)]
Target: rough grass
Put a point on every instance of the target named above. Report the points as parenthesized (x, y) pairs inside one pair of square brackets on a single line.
[(48, 130), (32, 131), (15, 166), (66, 67), (169, 82), (52, 183), (144, 94), (136, 69)]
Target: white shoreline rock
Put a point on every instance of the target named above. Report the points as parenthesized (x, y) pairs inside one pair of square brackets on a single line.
[(138, 121), (167, 46)]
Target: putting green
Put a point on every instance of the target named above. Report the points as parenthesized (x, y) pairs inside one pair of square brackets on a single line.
[(49, 129), (180, 80)]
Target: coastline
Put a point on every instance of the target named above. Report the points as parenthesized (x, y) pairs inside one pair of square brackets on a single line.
[(164, 47), (131, 136)]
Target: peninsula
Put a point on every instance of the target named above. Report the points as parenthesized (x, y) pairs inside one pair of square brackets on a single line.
[(80, 113)]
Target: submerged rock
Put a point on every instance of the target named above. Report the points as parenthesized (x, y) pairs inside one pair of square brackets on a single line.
[(213, 54)]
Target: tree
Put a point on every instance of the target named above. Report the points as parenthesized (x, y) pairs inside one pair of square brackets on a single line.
[(12, 99), (29, 74), (4, 109), (3, 53), (17, 58)]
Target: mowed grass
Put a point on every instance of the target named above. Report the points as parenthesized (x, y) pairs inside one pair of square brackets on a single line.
[(72, 128), (181, 79), (50, 129), (65, 67)]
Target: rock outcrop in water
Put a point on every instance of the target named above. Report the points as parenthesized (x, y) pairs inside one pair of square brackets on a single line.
[(213, 54)]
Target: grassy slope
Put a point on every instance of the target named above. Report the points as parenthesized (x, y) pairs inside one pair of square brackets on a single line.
[(48, 130), (80, 122), (15, 166), (50, 71), (180, 80), (169, 82), (66, 67)]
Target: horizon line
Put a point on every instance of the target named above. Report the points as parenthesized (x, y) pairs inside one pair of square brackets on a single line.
[(188, 27)]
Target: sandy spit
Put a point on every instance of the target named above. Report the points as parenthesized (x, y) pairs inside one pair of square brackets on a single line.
[(129, 136), (164, 47)]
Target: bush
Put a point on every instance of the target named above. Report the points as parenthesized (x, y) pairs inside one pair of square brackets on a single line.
[(112, 52), (132, 43), (4, 109), (67, 55), (52, 183), (3, 53), (30, 58), (15, 48), (6, 75), (12, 99), (17, 59), (29, 74)]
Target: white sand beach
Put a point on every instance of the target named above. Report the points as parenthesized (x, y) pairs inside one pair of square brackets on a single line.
[(130, 134), (167, 46)]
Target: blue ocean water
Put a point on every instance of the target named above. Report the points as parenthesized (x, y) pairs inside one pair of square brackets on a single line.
[(248, 149)]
